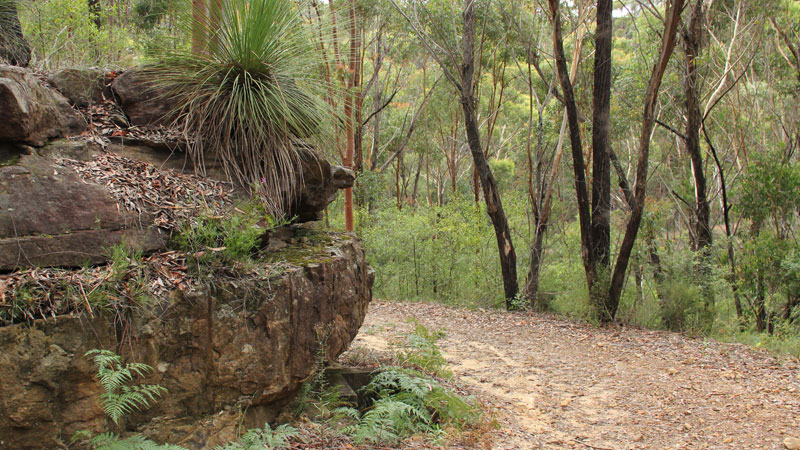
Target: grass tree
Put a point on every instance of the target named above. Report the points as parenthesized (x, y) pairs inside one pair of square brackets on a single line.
[(249, 96)]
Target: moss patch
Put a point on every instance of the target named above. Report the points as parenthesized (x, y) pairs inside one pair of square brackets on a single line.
[(10, 161), (309, 248)]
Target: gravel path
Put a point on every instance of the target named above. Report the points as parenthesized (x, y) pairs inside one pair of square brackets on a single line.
[(554, 384)]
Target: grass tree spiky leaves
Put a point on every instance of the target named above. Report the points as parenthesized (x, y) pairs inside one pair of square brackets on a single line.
[(250, 96)]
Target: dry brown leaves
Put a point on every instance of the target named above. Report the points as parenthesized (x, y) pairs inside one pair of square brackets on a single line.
[(106, 121), (33, 294), (144, 189)]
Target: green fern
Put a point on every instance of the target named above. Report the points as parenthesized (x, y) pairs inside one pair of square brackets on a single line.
[(112, 441), (263, 438), (407, 403), (120, 398), (422, 351)]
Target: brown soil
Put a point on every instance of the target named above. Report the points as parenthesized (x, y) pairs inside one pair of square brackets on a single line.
[(553, 384)]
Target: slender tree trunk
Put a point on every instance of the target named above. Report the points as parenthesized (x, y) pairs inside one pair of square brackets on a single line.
[(759, 304), (692, 38), (579, 171), (601, 159), (94, 11), (376, 104), (672, 18), (358, 144), (398, 166), (494, 206), (733, 279), (14, 49), (541, 197), (415, 190), (350, 113), (199, 17), (792, 302)]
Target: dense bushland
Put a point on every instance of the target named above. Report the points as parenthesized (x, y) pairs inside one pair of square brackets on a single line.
[(717, 248)]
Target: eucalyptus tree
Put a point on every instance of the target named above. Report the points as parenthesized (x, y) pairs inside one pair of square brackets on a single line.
[(544, 157), (593, 227), (451, 44)]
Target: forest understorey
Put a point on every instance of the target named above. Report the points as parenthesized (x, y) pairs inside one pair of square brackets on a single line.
[(554, 384)]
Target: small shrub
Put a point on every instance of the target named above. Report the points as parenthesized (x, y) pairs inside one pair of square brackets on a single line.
[(422, 351), (230, 238), (406, 403), (683, 308)]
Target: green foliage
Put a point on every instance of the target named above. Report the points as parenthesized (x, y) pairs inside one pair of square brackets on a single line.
[(771, 190), (683, 308), (440, 253), (249, 96), (263, 438), (230, 238), (422, 351), (112, 441), (408, 403), (120, 396), (503, 170), (63, 33)]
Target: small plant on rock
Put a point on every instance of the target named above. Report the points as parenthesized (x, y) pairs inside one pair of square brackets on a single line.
[(120, 396)]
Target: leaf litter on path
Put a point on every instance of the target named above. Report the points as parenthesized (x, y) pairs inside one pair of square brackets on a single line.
[(555, 384)]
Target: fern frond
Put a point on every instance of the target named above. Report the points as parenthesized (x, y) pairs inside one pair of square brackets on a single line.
[(111, 441), (112, 380), (346, 412), (104, 440), (263, 438)]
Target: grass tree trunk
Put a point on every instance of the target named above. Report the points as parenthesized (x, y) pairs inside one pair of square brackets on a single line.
[(491, 195), (14, 49)]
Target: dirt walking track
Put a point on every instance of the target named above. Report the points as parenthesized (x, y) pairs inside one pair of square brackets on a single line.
[(553, 384)]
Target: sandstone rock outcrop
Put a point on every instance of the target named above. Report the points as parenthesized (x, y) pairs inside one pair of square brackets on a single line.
[(142, 101), (81, 87), (49, 216), (246, 344), (30, 112), (243, 341), (321, 181)]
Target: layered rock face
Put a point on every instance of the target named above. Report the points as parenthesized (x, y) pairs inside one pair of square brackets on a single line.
[(50, 217), (246, 344), (230, 347), (31, 113)]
